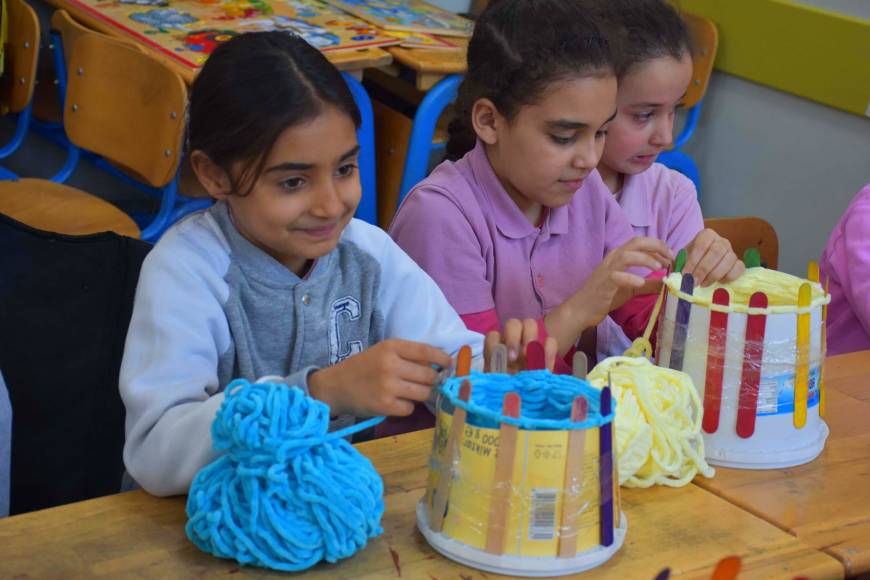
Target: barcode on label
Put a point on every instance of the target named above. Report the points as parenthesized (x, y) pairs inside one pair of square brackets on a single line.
[(542, 523), (768, 394)]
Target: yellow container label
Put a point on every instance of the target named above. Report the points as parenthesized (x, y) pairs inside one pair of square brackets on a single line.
[(535, 501)]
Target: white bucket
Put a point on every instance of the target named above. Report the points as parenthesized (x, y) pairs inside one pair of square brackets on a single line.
[(776, 442)]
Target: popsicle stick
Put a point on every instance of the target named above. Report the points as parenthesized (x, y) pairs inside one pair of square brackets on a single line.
[(681, 326), (580, 365), (715, 362), (813, 271), (727, 568), (823, 395), (802, 366), (605, 475), (751, 258), (680, 261), (747, 403), (573, 480), (661, 317), (498, 359), (442, 491), (463, 362), (502, 480), (535, 356)]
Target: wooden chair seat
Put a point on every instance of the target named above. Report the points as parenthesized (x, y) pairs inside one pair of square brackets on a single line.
[(55, 207)]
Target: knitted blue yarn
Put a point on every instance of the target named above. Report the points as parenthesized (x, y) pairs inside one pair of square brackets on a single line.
[(286, 494), (546, 400)]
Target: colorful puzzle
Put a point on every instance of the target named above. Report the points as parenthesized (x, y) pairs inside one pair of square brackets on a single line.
[(408, 16), (189, 30)]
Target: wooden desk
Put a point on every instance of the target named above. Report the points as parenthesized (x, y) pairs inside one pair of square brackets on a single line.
[(129, 534), (353, 61), (825, 503), (430, 66)]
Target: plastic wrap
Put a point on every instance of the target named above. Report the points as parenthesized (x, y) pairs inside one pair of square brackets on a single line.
[(750, 364), (559, 496)]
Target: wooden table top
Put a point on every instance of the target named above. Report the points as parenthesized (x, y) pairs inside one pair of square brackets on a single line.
[(686, 529), (825, 503), (431, 66), (353, 61)]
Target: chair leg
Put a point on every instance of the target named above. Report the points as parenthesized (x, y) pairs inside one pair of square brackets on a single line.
[(420, 143), (167, 205), (22, 125), (368, 206)]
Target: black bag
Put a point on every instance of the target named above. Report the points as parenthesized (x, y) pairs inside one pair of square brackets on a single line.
[(65, 305)]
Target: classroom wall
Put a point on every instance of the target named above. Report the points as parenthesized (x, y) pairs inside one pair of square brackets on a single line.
[(791, 161)]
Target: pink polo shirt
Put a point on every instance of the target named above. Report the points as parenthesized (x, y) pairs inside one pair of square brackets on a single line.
[(662, 203), (461, 226), (846, 260), (659, 203)]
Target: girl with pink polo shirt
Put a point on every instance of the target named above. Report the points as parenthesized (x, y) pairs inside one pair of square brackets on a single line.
[(846, 262), (514, 225), (655, 71)]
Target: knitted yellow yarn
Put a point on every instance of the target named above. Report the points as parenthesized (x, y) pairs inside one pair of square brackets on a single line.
[(658, 422)]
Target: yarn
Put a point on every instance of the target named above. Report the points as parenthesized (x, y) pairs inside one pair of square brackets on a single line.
[(286, 494), (658, 426), (546, 400)]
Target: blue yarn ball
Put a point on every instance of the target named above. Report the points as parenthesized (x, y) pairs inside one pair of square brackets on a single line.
[(286, 494)]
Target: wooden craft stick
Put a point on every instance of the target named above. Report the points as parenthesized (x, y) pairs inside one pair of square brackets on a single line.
[(680, 261), (681, 326), (751, 258), (580, 365), (823, 395), (747, 403), (573, 485), (535, 356), (715, 362), (802, 366), (661, 316), (463, 362), (502, 480), (498, 359), (605, 475), (454, 439), (727, 568), (813, 271)]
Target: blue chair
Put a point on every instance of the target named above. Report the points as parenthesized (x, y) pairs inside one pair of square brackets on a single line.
[(705, 38), (368, 205), (21, 58), (423, 130), (120, 150)]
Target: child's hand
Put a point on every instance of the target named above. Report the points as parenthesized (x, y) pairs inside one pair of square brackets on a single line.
[(517, 335), (610, 286), (710, 259), (385, 379)]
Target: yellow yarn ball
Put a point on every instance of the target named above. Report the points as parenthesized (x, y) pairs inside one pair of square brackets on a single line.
[(658, 422)]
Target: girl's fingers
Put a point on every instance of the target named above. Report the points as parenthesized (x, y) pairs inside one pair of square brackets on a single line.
[(696, 250), (736, 271), (513, 332), (413, 372), (530, 332), (627, 280), (632, 258), (397, 408), (551, 350)]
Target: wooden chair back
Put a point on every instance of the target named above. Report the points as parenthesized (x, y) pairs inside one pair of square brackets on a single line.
[(748, 232), (124, 105), (21, 55), (705, 41)]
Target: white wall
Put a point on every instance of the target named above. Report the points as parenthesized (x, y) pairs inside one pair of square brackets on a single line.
[(791, 161)]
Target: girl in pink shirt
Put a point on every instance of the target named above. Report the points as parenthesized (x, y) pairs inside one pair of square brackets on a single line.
[(846, 262), (655, 71), (517, 224)]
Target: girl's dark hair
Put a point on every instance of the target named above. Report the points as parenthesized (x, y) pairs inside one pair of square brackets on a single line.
[(518, 49), (250, 90), (645, 29)]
